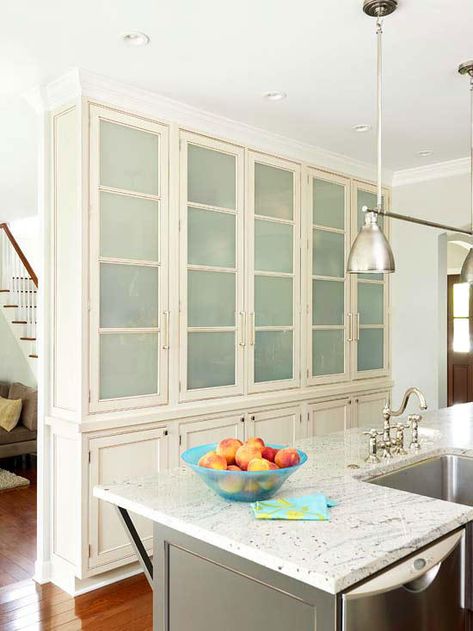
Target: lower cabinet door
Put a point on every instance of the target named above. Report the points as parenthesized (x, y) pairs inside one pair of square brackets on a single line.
[(210, 431), (368, 409), (279, 426), (113, 459), (329, 416)]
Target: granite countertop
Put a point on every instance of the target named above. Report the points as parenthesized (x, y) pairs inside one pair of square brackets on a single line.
[(370, 528)]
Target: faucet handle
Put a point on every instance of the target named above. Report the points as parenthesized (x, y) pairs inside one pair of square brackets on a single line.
[(414, 419)]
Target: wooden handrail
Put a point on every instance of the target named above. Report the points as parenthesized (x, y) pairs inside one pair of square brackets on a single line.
[(19, 251)]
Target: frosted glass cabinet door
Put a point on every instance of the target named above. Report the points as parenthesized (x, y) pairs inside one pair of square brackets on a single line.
[(327, 349), (129, 261), (211, 268), (273, 254)]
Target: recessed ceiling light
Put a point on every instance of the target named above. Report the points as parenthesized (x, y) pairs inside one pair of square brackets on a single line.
[(425, 153), (361, 128), (135, 38), (275, 96)]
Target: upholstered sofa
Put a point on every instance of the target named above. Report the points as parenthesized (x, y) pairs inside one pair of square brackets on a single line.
[(22, 438)]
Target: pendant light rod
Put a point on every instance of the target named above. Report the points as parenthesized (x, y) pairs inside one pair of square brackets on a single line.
[(379, 116), (467, 68), (420, 222)]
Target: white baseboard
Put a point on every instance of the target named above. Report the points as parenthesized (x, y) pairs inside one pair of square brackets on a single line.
[(62, 574), (42, 572)]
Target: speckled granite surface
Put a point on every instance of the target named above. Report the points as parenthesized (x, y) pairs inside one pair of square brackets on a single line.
[(370, 528)]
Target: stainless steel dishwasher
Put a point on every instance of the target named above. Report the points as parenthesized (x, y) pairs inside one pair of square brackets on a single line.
[(424, 593)]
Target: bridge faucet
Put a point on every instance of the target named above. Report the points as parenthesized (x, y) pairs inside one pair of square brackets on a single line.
[(388, 412)]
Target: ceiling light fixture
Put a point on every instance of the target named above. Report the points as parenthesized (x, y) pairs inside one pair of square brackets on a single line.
[(371, 252), (425, 153), (135, 38), (361, 128), (275, 96)]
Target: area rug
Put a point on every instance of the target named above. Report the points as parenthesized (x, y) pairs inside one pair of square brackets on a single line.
[(10, 480)]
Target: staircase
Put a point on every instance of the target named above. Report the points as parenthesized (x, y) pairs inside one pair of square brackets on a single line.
[(18, 294)]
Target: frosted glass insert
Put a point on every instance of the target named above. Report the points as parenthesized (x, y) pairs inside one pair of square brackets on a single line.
[(329, 204), (328, 352), (128, 364), (210, 360), (211, 177), (274, 192), (211, 298), (328, 254), (461, 335), (461, 300), (371, 303), (273, 356), (371, 349), (273, 247), (211, 238), (128, 296), (129, 227), (273, 301), (129, 158), (328, 302)]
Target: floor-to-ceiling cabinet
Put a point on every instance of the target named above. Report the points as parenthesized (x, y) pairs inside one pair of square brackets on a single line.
[(211, 301)]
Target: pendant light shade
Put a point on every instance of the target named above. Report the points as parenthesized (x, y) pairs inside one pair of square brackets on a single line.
[(371, 252), (466, 275)]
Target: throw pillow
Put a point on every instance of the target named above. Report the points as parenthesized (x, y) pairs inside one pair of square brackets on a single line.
[(10, 411), (29, 397)]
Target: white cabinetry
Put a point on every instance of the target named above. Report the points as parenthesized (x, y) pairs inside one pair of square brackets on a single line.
[(368, 409), (280, 426), (113, 459), (329, 416), (211, 430)]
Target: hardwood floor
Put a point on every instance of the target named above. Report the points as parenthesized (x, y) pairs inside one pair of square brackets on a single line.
[(126, 605), (18, 525)]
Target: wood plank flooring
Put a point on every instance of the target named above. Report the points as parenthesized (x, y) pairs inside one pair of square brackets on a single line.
[(126, 605), (27, 606), (18, 524)]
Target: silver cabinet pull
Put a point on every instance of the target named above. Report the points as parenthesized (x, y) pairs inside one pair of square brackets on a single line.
[(242, 327), (252, 329), (350, 327), (165, 332), (357, 321)]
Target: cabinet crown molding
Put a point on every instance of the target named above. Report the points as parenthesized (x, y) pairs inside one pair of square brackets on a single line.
[(78, 82)]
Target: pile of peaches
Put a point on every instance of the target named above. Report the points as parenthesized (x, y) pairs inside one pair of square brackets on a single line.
[(244, 472), (253, 455)]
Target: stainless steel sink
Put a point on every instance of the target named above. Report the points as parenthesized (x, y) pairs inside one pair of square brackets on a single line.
[(446, 477)]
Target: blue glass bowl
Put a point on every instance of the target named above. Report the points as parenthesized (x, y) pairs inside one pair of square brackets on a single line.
[(240, 486)]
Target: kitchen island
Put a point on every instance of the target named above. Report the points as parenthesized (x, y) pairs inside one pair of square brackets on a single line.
[(216, 567)]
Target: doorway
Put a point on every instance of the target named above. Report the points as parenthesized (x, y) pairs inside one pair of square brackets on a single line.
[(459, 341)]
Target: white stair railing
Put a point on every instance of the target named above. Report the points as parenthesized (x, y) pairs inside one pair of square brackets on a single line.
[(19, 284)]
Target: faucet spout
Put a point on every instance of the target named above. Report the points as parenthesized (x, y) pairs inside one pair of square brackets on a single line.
[(387, 412)]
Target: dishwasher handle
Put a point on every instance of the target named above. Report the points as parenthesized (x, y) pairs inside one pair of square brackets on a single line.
[(415, 575)]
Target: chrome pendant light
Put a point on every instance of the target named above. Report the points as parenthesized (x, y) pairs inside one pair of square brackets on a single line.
[(466, 274), (371, 252)]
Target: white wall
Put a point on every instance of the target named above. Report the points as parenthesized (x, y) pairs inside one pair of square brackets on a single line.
[(13, 364), (418, 287), (456, 254), (26, 232)]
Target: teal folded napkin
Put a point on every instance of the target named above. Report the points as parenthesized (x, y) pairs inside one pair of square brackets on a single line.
[(309, 507)]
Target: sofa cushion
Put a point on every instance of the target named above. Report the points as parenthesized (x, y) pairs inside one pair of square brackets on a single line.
[(4, 389), (29, 412), (10, 411), (18, 434)]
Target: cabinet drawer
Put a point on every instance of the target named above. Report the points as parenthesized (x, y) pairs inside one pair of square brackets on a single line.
[(114, 459), (281, 427), (211, 431)]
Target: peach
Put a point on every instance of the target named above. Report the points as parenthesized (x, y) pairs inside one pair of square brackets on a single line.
[(273, 465), (245, 454), (259, 442), (232, 482), (233, 467), (251, 486), (269, 482), (269, 453), (259, 464), (287, 458), (212, 460), (228, 448)]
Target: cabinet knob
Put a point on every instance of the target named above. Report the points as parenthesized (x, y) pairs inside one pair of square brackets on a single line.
[(242, 419)]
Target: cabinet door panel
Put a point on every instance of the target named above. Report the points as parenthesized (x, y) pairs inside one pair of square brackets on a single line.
[(274, 272), (280, 427), (114, 459), (211, 268), (371, 303), (329, 416), (327, 349), (129, 158), (369, 409), (211, 430)]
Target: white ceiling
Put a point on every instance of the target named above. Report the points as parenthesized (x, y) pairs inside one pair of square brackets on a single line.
[(223, 56)]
